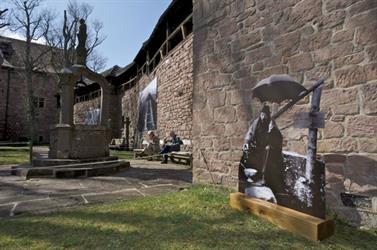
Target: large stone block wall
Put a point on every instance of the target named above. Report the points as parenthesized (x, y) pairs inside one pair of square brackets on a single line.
[(174, 93), (239, 42), (45, 86)]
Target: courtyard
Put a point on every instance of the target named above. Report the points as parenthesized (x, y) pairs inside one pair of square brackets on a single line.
[(37, 195)]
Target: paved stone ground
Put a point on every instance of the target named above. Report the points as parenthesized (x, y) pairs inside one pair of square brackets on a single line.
[(144, 178)]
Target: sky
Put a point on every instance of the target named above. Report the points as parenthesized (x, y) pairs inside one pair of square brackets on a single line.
[(127, 24)]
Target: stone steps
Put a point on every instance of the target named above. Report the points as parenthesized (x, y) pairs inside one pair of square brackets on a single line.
[(72, 170)]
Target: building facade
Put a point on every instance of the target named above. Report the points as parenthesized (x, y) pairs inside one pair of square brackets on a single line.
[(13, 94)]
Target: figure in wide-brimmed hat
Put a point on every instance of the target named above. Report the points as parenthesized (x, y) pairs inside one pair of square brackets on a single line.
[(262, 149)]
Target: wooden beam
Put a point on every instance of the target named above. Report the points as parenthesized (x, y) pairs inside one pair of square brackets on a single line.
[(308, 226)]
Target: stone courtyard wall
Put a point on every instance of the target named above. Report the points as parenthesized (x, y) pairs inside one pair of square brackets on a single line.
[(239, 42), (174, 93)]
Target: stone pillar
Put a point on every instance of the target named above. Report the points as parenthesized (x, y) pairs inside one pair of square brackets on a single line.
[(105, 105), (67, 100)]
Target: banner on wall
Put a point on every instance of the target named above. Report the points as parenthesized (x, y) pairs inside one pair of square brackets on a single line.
[(148, 107), (92, 116)]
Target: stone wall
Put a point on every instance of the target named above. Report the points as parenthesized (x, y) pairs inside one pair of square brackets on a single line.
[(44, 86), (237, 43), (80, 109), (174, 93)]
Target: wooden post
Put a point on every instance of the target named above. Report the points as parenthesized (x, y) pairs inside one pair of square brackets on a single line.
[(312, 137), (161, 54), (127, 142), (147, 62), (183, 31), (167, 38)]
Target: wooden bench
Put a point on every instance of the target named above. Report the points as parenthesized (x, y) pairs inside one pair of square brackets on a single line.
[(181, 157), (117, 144), (139, 153)]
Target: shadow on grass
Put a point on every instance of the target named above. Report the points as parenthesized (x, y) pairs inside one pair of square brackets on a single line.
[(179, 221), (161, 173)]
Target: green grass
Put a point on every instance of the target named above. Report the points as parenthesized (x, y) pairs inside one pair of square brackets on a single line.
[(127, 155), (14, 155), (199, 218), (19, 155)]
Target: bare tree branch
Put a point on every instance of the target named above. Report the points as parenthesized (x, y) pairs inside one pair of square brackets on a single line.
[(3, 23)]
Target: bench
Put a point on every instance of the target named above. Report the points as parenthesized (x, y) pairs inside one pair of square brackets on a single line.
[(181, 157), (117, 144), (184, 157)]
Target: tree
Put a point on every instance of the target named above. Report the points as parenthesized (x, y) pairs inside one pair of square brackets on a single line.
[(3, 22), (34, 24), (65, 36)]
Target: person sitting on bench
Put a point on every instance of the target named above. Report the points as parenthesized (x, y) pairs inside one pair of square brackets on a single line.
[(153, 146), (170, 144)]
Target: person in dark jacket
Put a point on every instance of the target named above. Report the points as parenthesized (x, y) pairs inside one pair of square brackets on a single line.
[(263, 150), (172, 143)]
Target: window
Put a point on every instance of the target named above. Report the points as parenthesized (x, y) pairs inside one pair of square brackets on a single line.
[(38, 102)]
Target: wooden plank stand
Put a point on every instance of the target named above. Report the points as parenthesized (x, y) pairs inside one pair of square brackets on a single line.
[(308, 226)]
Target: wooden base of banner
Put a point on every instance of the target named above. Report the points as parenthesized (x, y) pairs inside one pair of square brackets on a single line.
[(308, 226)]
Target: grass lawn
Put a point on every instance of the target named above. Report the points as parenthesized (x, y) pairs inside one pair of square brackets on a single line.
[(19, 155), (127, 155), (199, 218), (14, 155)]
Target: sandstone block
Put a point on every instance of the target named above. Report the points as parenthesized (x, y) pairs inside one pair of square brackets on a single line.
[(371, 71), (333, 130), (316, 41), (244, 113), (369, 98), (333, 19), (368, 145), (221, 144), (305, 11), (300, 62), (280, 69), (362, 6), (288, 43), (340, 101), (329, 145), (236, 129), (338, 118), (258, 66), (323, 55), (225, 114), (349, 145), (209, 129), (372, 53), (216, 98), (338, 4), (351, 76), (255, 55), (362, 126), (317, 72), (249, 39), (362, 20), (343, 36), (349, 60), (366, 34)]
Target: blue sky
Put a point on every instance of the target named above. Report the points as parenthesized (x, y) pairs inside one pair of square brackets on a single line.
[(127, 24)]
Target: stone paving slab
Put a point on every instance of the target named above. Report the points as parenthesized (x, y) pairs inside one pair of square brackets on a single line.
[(41, 195)]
